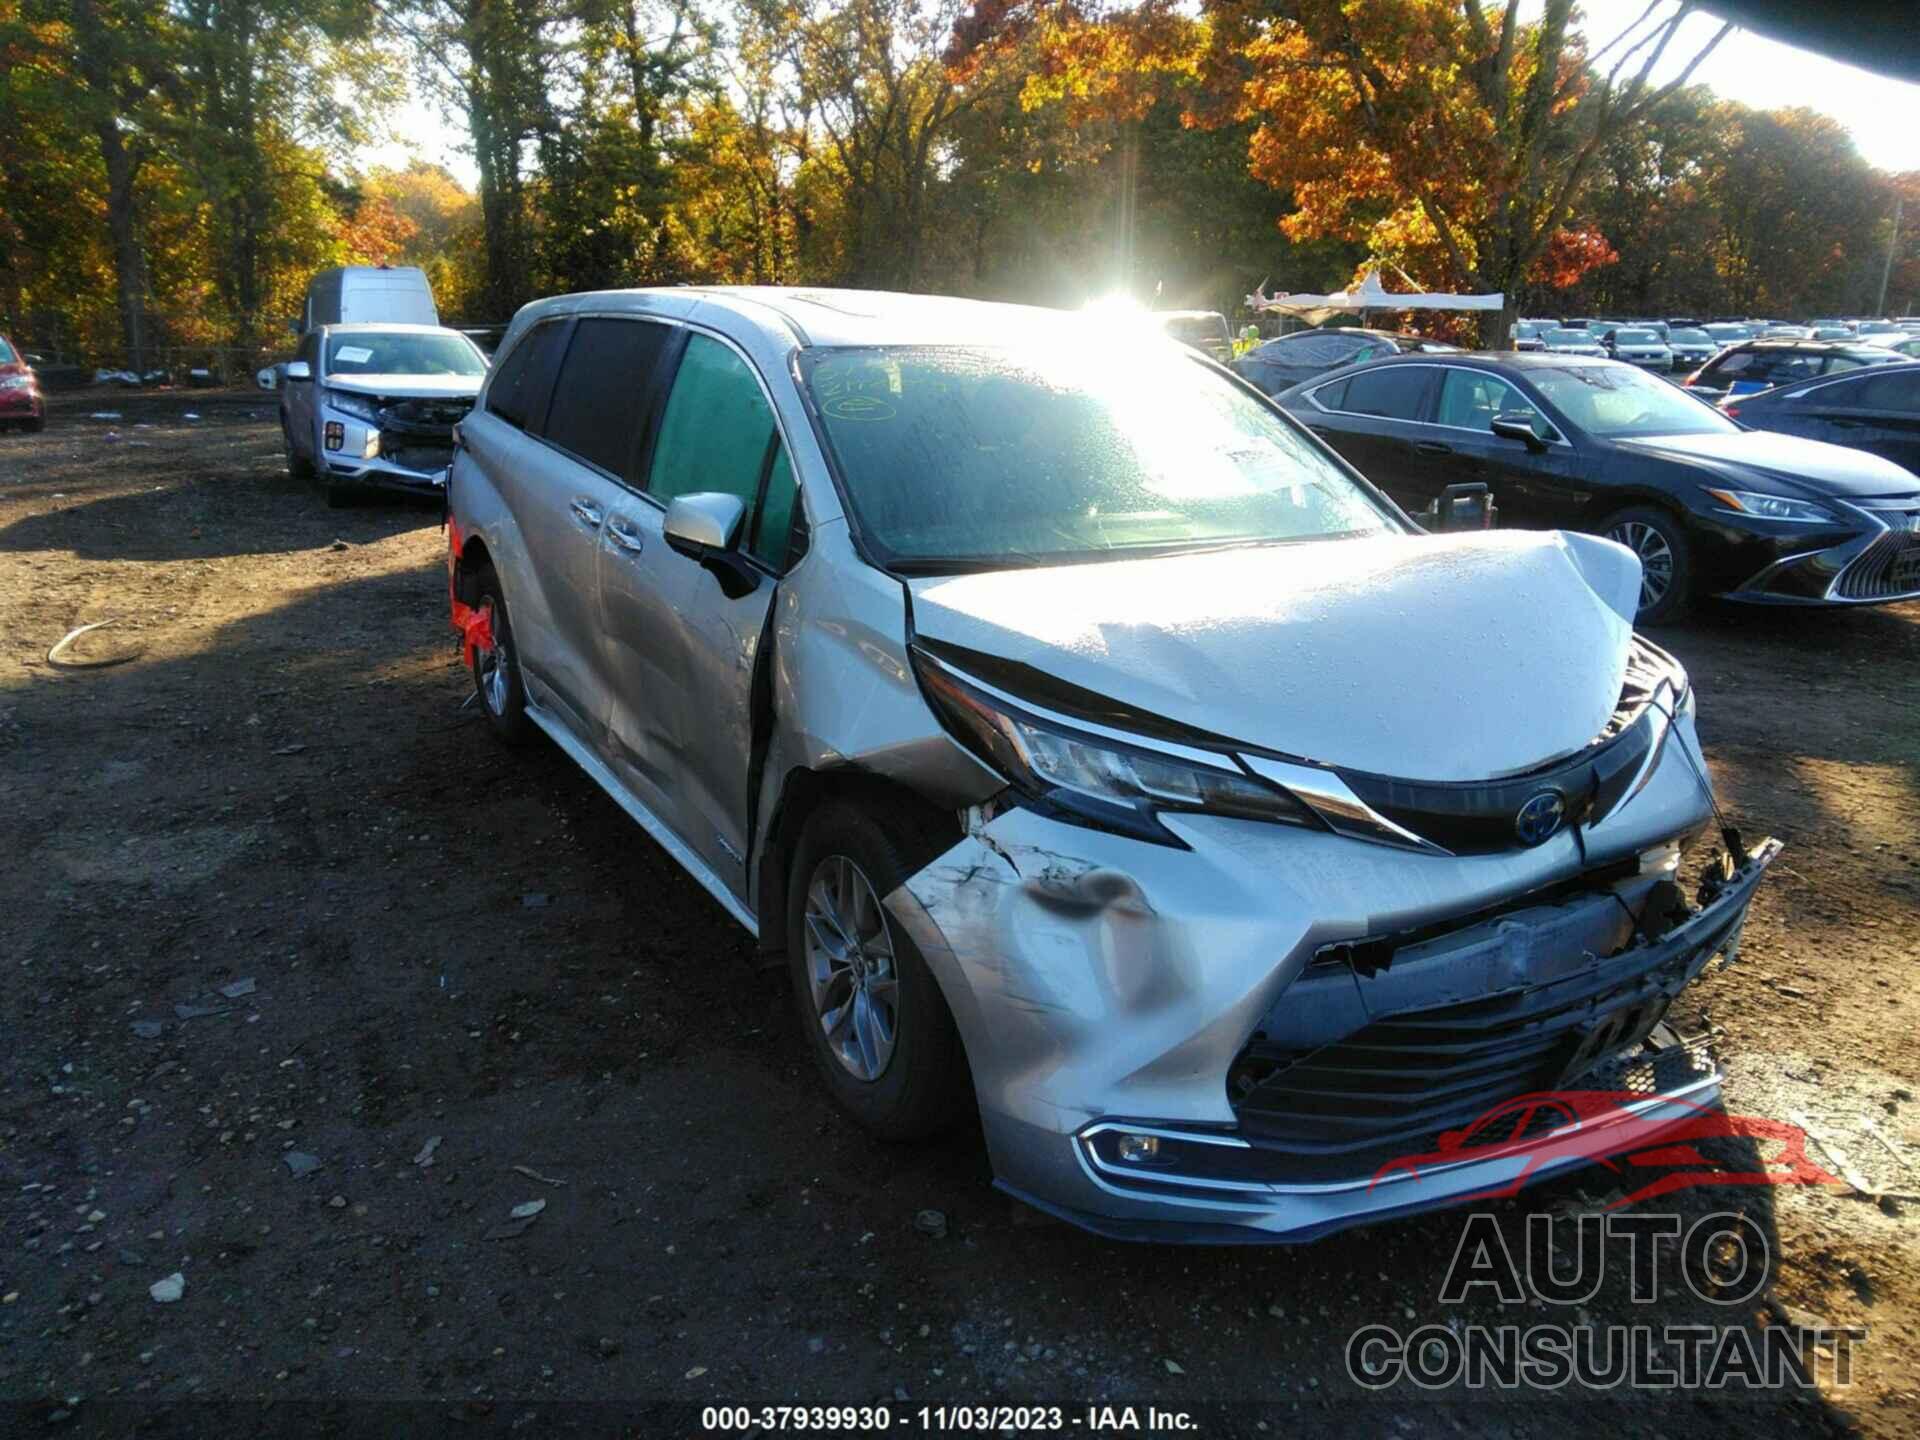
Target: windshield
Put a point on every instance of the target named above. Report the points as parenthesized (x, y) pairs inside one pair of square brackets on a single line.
[(1570, 337), (398, 352), (1527, 329), (1878, 327), (1635, 337), (6, 352), (1686, 335), (975, 458), (1622, 401), (1725, 333)]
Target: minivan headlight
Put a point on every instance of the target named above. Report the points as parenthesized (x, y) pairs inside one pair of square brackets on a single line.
[(1771, 507), (354, 404), (1105, 782)]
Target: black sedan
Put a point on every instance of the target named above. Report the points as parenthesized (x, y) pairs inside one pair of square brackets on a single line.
[(1756, 365), (1289, 359), (1566, 442), (1876, 410)]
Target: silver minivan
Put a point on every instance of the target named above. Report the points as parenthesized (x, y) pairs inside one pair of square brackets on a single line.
[(1104, 755)]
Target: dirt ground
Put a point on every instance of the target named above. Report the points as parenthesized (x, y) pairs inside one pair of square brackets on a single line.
[(429, 939)]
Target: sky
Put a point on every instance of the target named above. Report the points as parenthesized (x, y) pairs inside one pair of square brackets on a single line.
[(1882, 115)]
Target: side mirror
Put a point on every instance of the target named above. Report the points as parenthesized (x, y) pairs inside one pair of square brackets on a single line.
[(1517, 425), (705, 527), (299, 370)]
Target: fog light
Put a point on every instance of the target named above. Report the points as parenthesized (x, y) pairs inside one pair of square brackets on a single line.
[(335, 434), (372, 447), (1139, 1149)]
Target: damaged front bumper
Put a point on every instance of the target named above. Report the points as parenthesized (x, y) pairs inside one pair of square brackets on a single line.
[(408, 449), (1229, 1000)]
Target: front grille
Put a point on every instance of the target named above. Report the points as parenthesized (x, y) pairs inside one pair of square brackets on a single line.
[(1887, 568), (1388, 1087), (418, 434)]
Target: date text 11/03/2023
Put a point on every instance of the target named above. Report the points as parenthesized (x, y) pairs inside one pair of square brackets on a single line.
[(981, 1419)]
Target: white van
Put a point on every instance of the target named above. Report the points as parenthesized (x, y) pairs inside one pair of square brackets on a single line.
[(368, 295)]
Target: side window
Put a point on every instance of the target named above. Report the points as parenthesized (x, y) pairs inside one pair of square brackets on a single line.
[(1332, 397), (1470, 399), (1394, 393), (598, 401), (718, 434), (773, 526), (1788, 367), (1897, 387), (309, 350), (518, 392)]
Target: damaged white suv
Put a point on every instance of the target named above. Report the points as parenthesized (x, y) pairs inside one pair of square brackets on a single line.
[(1099, 748)]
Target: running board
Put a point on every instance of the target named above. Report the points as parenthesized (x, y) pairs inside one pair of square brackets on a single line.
[(656, 827)]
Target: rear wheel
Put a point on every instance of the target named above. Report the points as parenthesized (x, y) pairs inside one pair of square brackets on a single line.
[(1666, 561), (496, 670), (873, 1014)]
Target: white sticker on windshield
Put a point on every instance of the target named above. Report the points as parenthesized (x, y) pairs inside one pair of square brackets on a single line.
[(352, 355)]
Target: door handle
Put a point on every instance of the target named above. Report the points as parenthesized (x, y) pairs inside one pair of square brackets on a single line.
[(586, 512), (621, 538), (1432, 447)]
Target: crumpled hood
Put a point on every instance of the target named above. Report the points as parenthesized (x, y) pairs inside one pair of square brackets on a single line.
[(1791, 464), (410, 387), (1444, 657)]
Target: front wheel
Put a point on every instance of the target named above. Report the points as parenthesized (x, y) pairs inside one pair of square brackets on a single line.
[(873, 1014), (298, 467), (1666, 561)]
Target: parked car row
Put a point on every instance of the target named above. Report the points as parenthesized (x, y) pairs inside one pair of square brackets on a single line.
[(1103, 752)]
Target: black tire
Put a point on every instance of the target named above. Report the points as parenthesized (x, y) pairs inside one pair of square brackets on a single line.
[(339, 496), (1660, 539), (34, 425), (922, 1089), (298, 466), (503, 703)]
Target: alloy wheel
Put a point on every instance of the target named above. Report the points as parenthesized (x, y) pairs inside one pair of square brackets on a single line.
[(493, 672), (1656, 559), (850, 968)]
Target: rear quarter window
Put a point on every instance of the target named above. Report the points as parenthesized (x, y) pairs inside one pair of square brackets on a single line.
[(519, 392), (1395, 393)]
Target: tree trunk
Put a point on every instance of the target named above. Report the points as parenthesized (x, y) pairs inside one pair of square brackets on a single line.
[(98, 73)]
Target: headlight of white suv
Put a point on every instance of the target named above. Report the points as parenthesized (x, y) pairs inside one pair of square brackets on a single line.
[(362, 406), (1095, 779), (1771, 507)]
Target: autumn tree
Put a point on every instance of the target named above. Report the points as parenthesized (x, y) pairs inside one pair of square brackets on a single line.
[(874, 77), (1451, 136), (115, 62), (487, 61), (261, 82)]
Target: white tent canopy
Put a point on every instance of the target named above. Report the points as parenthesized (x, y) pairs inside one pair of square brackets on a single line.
[(1369, 294)]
